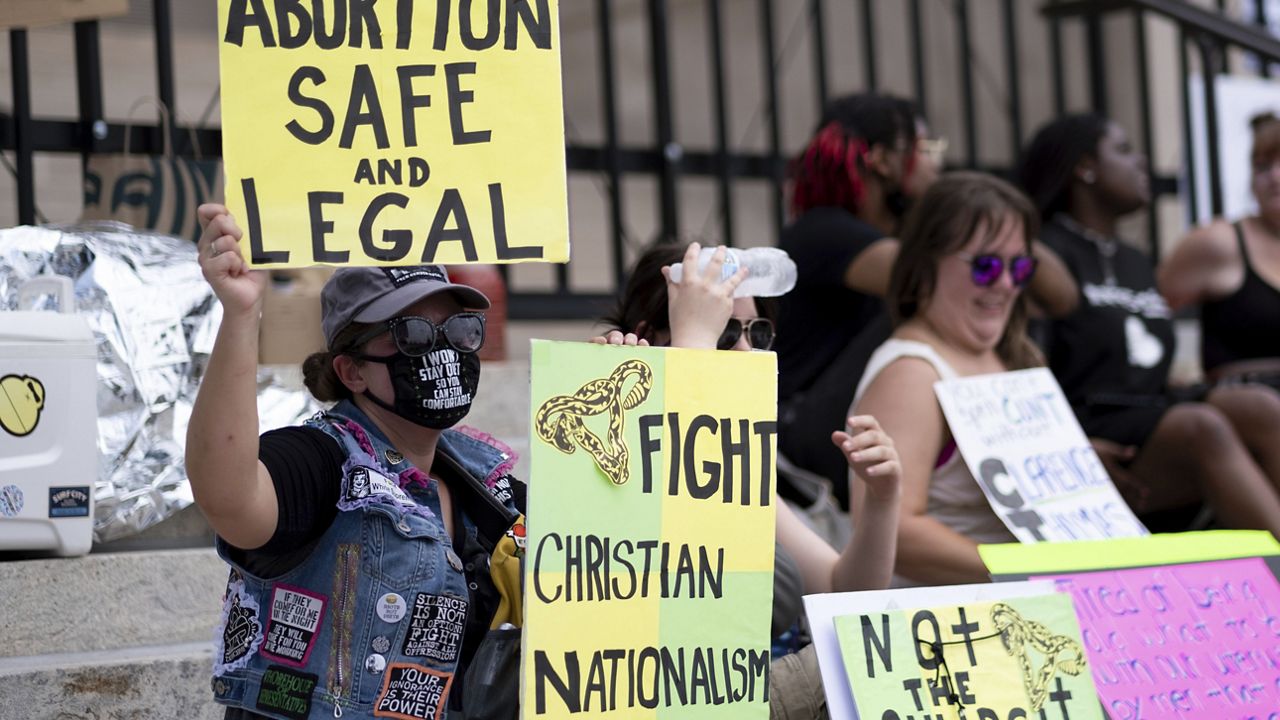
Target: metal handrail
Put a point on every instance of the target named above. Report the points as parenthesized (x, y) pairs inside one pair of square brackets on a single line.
[(1204, 35), (1190, 17)]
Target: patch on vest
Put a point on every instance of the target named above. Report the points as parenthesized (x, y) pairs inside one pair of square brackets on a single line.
[(346, 568), (241, 631), (364, 485), (286, 692), (501, 489), (436, 627), (293, 625), (413, 692)]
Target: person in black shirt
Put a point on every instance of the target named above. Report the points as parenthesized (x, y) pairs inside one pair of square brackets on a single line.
[(849, 193), (1113, 350), (1232, 270)]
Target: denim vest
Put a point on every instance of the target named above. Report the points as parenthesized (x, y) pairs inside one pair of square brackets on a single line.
[(373, 622)]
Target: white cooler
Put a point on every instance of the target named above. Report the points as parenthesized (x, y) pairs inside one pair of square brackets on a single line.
[(48, 425)]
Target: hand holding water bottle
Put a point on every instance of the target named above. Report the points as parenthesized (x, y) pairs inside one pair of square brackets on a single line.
[(770, 272), (701, 302)]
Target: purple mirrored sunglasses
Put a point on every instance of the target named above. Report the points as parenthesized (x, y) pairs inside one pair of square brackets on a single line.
[(985, 269)]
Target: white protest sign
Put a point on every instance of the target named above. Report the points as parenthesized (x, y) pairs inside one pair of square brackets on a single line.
[(822, 610), (1021, 441)]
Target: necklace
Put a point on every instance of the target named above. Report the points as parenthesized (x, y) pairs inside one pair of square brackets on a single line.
[(1105, 245)]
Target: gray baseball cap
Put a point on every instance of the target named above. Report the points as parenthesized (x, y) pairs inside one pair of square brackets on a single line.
[(374, 294)]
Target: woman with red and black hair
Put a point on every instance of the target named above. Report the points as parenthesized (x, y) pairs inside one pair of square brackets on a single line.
[(847, 199), (849, 192)]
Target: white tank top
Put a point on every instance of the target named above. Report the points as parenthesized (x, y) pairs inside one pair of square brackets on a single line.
[(954, 498)]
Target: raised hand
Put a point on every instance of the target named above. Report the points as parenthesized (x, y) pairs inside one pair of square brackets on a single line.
[(239, 289), (700, 304), (871, 455)]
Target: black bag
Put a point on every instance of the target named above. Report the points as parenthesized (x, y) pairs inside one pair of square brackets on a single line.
[(491, 681), (492, 690)]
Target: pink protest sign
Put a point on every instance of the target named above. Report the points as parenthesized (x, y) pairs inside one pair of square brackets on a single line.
[(1182, 641)]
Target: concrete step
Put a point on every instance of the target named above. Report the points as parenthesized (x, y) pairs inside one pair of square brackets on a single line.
[(110, 602), (134, 684), (110, 635)]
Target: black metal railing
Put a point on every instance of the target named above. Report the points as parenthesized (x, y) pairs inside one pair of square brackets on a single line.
[(1211, 35)]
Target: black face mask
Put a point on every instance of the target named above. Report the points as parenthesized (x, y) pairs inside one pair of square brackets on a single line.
[(435, 390)]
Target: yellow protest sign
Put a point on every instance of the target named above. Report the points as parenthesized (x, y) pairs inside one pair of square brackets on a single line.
[(1017, 559), (1014, 658), (649, 566), (394, 133)]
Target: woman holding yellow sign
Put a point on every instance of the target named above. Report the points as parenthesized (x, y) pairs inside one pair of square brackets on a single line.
[(360, 543), (701, 311)]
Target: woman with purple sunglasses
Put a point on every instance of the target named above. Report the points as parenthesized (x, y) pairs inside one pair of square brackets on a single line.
[(957, 303), (1167, 449)]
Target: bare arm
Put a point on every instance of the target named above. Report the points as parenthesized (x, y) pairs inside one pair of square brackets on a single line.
[(867, 562), (1053, 288), (1205, 265), (869, 272), (902, 399), (230, 485), (875, 472), (813, 556)]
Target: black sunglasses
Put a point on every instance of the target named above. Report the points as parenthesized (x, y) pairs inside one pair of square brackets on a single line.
[(759, 333), (985, 270), (416, 336)]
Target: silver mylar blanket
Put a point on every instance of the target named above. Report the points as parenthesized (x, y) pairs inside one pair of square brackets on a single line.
[(154, 318)]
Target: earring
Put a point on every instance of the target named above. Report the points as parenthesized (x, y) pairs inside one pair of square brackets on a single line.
[(1088, 177)]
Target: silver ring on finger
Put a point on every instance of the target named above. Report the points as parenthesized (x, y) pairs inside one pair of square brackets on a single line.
[(213, 250)]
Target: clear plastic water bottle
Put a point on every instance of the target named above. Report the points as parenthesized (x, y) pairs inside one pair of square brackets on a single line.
[(770, 271)]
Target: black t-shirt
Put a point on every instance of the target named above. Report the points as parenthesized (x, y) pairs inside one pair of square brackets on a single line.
[(1119, 344), (821, 315), (306, 469), (305, 466)]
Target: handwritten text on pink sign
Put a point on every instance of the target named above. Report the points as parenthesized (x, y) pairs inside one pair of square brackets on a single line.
[(1183, 641)]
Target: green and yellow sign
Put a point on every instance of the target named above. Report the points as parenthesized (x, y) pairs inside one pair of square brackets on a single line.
[(649, 566)]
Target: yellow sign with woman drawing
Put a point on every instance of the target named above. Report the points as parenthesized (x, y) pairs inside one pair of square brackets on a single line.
[(1013, 658), (649, 566)]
